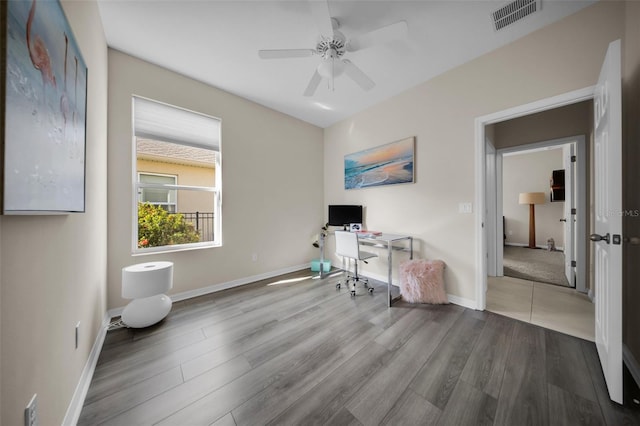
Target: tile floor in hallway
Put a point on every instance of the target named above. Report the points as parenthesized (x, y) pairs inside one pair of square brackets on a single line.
[(547, 305)]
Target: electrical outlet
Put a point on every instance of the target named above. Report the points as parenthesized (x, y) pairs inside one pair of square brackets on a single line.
[(77, 334), (30, 413), (254, 257)]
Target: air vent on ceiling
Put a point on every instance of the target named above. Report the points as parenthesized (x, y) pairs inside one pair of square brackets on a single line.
[(514, 12)]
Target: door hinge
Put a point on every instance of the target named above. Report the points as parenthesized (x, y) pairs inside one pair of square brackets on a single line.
[(573, 158), (574, 263)]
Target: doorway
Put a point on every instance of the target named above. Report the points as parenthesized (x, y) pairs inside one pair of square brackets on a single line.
[(520, 161), (538, 238), (556, 170), (521, 126), (541, 285)]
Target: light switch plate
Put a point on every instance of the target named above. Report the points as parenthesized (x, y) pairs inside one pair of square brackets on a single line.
[(465, 208)]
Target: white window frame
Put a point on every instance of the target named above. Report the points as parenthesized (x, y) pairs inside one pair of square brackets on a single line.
[(216, 189), (141, 185)]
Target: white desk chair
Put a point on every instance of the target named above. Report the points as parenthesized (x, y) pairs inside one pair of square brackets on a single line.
[(347, 246)]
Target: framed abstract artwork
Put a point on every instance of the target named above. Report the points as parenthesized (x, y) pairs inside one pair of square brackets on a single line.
[(44, 102), (387, 164)]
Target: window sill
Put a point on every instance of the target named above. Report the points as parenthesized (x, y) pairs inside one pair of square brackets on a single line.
[(173, 249)]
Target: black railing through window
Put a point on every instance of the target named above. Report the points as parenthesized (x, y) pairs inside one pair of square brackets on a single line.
[(203, 222)]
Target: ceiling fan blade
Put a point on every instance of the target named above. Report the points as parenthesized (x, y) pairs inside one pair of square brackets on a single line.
[(313, 84), (357, 75), (285, 53), (320, 11), (397, 31)]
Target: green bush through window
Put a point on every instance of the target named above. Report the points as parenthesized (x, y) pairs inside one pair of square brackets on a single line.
[(157, 227)]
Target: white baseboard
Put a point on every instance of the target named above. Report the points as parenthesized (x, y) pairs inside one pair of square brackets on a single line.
[(115, 312), (462, 301), (540, 246), (377, 277), (77, 401), (456, 300)]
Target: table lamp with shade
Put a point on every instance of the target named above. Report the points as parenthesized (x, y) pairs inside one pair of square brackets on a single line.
[(532, 198)]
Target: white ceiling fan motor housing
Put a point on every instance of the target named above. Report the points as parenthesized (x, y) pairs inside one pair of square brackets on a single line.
[(331, 51), (334, 47)]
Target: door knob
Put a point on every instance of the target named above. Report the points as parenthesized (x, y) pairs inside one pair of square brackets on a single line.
[(563, 220), (596, 237)]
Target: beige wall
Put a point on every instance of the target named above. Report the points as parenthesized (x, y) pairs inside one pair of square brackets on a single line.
[(559, 58), (271, 181), (631, 174), (570, 120), (188, 201), (54, 267), (530, 172)]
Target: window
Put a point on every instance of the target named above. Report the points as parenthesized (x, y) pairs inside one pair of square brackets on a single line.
[(177, 187), (165, 198)]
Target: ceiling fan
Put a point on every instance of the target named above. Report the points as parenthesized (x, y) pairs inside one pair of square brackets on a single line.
[(333, 45)]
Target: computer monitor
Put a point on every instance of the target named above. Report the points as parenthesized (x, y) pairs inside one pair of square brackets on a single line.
[(340, 215)]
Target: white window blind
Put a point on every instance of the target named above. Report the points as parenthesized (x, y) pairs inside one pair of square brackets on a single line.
[(155, 120)]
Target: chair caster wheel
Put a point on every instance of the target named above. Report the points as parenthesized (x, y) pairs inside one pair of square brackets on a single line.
[(353, 293), (370, 290), (338, 286)]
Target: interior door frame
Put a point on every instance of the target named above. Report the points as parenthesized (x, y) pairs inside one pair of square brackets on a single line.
[(492, 226), (570, 199), (580, 188), (561, 100)]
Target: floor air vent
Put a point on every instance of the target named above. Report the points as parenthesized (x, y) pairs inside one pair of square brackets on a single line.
[(514, 12)]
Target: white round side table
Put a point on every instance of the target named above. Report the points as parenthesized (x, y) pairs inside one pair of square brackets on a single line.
[(146, 284)]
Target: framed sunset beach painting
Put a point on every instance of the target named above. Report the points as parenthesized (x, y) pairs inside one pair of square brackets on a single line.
[(387, 164)]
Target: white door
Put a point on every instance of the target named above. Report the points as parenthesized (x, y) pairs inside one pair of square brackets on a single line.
[(608, 219), (568, 151)]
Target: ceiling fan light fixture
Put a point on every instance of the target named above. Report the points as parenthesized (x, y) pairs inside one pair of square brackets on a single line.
[(331, 68)]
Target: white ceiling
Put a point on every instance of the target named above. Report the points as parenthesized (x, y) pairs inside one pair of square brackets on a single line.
[(216, 42)]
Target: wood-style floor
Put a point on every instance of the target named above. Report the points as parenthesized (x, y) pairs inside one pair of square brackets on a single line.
[(293, 351)]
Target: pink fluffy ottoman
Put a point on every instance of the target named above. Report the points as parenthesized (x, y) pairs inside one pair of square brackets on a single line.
[(422, 281)]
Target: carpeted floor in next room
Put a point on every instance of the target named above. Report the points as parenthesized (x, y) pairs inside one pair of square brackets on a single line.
[(535, 265)]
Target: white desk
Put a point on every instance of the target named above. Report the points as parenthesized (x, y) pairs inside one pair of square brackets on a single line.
[(391, 242)]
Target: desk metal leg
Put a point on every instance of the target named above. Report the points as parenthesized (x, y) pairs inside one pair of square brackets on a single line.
[(411, 247), (389, 273)]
